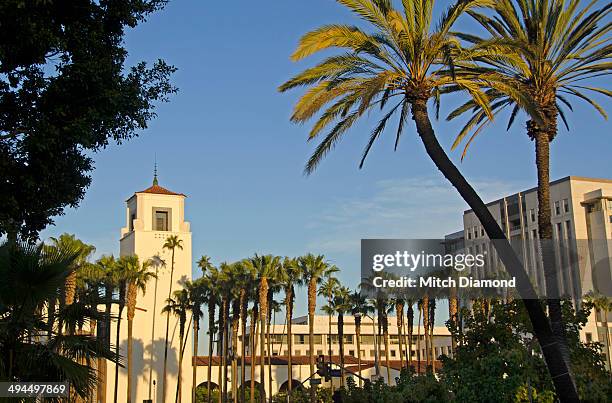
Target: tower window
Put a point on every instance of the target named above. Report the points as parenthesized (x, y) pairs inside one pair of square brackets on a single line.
[(161, 221)]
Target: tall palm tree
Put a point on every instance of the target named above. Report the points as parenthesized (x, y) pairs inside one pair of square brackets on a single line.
[(253, 340), (341, 305), (399, 317), (408, 58), (273, 307), (157, 263), (410, 328), (197, 297), (179, 306), (432, 318), (136, 277), (121, 284), (359, 309), (265, 267), (212, 293), (289, 278), (328, 289), (313, 269), (549, 51), (420, 309), (171, 244)]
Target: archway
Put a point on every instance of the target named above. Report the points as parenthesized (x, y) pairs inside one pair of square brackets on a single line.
[(295, 384), (247, 386), (202, 392)]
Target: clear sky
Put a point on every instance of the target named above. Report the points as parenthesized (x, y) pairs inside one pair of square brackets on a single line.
[(225, 140)]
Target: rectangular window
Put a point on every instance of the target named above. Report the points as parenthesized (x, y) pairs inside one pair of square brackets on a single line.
[(296, 352), (559, 231), (161, 221), (532, 215), (319, 352), (352, 353), (482, 231), (392, 353), (609, 204), (566, 205), (610, 219), (469, 234), (589, 337), (557, 208), (568, 229), (475, 232)]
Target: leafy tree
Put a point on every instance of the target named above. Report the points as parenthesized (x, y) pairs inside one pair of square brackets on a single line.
[(497, 358), (402, 66), (65, 92)]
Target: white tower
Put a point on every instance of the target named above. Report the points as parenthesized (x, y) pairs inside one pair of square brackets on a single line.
[(152, 216)]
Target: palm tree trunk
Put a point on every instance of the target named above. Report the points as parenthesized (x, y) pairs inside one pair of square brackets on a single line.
[(358, 335), (341, 338), (425, 308), (224, 350), (453, 311), (243, 317), (410, 329), (312, 304), (289, 306), (419, 307), (194, 364), (557, 367), (386, 338), (132, 293), (118, 338), (211, 332), (329, 342), (253, 331), (269, 345), (263, 306), (179, 383), (399, 316), (165, 377), (545, 230), (153, 334), (432, 317), (220, 343)]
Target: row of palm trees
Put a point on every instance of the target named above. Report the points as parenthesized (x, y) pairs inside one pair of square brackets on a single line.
[(242, 294)]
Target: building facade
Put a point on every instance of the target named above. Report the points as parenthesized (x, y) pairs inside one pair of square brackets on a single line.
[(582, 239), (152, 215)]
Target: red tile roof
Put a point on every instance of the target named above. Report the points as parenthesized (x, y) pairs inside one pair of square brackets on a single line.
[(156, 189)]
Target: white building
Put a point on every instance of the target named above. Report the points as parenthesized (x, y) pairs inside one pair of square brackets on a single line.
[(152, 215)]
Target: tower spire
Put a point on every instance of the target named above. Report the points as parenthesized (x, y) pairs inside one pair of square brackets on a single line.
[(155, 181)]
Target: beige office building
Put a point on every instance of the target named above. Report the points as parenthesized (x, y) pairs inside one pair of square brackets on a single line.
[(582, 232)]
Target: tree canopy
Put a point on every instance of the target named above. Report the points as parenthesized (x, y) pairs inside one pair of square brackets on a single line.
[(66, 93)]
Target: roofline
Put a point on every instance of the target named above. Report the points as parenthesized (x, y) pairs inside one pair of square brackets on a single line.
[(158, 194), (560, 180)]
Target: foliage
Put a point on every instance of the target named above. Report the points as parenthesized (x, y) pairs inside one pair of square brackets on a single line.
[(302, 395), (65, 92), (33, 346), (498, 359)]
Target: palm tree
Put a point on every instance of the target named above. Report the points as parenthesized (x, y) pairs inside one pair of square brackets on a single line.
[(410, 328), (548, 49), (212, 293), (265, 267), (84, 252), (407, 58), (32, 276), (359, 309), (197, 297), (341, 305), (289, 278), (172, 243), (328, 289), (120, 281), (179, 305), (399, 317), (420, 309), (432, 318), (158, 263), (313, 269), (136, 277), (108, 267)]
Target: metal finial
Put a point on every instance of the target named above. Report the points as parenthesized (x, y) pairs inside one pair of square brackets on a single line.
[(155, 182)]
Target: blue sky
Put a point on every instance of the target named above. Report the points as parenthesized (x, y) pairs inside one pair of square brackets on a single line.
[(226, 141)]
